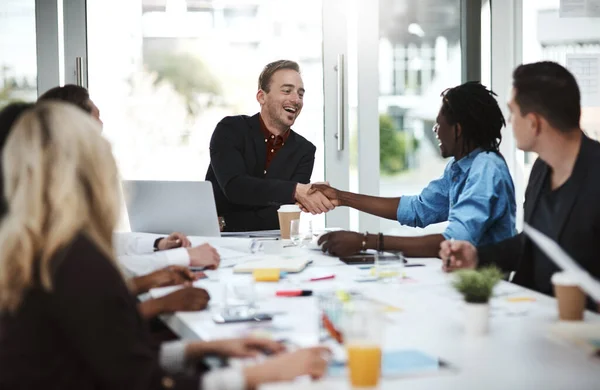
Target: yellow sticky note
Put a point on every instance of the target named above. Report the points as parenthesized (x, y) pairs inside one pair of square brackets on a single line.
[(343, 296), (391, 309), (520, 299), (266, 275)]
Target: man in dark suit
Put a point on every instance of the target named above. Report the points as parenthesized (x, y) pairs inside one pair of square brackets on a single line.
[(258, 163), (562, 197)]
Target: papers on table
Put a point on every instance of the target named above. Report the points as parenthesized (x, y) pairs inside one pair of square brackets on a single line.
[(231, 257), (272, 262), (564, 261), (581, 334)]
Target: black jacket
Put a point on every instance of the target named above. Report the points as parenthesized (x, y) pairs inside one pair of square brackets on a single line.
[(578, 223), (246, 197), (86, 334)]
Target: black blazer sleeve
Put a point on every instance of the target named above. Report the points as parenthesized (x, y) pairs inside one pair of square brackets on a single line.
[(228, 164), (506, 254), (305, 168), (93, 309)]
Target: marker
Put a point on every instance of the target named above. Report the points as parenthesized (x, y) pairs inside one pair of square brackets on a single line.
[(294, 293), (321, 278)]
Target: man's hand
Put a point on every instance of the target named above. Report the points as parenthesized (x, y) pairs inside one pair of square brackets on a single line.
[(169, 276), (204, 256), (331, 193), (341, 243), (174, 240), (234, 348), (186, 299), (313, 202), (457, 255), (324, 188), (288, 366)]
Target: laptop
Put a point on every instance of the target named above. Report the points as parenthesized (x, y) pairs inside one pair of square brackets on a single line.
[(163, 207)]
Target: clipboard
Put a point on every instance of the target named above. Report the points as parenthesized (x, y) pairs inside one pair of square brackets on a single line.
[(292, 265), (564, 261)]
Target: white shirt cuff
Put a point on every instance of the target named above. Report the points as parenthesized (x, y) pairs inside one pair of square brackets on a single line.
[(145, 244), (179, 256), (224, 379), (172, 356)]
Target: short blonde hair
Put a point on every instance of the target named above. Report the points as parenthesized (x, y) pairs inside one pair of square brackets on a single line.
[(60, 180)]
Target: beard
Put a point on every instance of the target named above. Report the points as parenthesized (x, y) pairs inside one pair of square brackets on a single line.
[(281, 118)]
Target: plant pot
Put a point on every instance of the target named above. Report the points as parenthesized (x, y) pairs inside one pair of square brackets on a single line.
[(477, 318)]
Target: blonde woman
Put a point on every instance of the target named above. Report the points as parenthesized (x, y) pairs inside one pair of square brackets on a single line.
[(67, 318)]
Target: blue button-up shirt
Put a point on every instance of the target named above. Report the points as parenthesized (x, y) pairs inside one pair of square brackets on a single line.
[(476, 195)]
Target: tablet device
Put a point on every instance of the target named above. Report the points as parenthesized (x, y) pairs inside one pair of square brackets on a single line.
[(369, 258)]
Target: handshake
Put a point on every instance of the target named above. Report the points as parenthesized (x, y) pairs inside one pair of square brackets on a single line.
[(317, 198)]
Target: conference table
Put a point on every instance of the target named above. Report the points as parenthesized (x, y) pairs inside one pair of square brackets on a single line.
[(520, 351)]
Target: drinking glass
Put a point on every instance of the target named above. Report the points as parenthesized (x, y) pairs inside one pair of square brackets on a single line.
[(239, 298), (363, 328), (295, 233), (389, 269)]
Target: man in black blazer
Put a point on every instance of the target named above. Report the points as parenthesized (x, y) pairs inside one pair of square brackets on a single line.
[(562, 199), (258, 163)]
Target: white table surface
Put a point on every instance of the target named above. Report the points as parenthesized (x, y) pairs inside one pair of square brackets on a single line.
[(516, 354)]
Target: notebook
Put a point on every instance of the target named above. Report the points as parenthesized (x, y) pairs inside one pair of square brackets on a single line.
[(290, 265), (397, 363)]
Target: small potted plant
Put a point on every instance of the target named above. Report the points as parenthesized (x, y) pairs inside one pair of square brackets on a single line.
[(477, 286)]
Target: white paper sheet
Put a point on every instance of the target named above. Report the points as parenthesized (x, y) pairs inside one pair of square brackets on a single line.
[(564, 261), (586, 69)]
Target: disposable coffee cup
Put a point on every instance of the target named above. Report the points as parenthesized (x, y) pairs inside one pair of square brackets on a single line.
[(287, 213), (569, 297)]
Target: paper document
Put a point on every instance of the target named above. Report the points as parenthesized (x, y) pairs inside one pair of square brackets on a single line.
[(231, 257), (564, 261)]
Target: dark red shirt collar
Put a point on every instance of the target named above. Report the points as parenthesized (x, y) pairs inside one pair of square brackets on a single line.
[(282, 138)]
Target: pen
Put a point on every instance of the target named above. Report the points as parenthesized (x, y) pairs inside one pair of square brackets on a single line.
[(448, 259), (414, 265), (321, 278)]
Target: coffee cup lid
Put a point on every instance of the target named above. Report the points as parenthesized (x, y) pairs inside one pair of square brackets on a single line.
[(289, 208), (563, 279)]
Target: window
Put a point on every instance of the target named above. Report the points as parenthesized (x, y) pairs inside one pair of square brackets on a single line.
[(548, 36), (18, 62), (163, 78), (419, 57)]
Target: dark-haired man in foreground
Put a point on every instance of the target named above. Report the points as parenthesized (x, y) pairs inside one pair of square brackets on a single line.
[(475, 194), (562, 197)]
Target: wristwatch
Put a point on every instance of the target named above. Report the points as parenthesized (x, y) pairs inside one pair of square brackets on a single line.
[(156, 243)]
